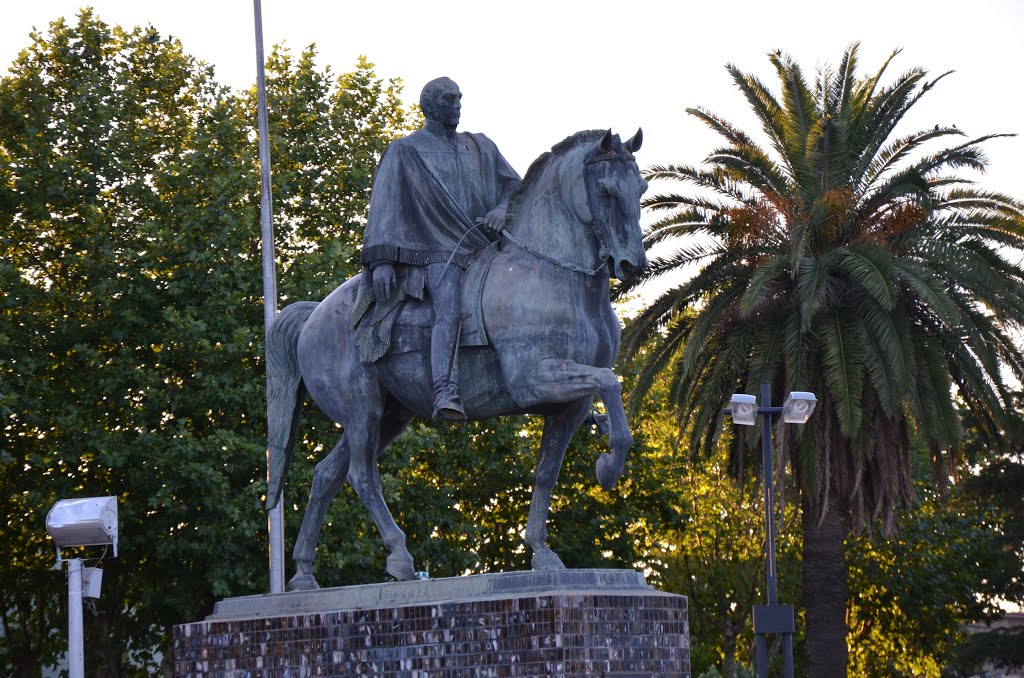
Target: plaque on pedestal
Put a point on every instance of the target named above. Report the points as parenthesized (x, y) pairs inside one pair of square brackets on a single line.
[(538, 623)]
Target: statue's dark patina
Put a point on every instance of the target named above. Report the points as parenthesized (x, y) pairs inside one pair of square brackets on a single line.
[(551, 338), (438, 198)]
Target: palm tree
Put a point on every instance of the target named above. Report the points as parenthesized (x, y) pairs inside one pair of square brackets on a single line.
[(840, 260)]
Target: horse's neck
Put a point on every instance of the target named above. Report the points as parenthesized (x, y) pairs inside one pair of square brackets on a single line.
[(552, 219)]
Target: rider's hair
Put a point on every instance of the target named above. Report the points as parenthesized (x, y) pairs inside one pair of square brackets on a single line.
[(430, 94)]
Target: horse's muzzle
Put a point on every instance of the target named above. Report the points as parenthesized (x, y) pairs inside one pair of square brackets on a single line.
[(626, 270)]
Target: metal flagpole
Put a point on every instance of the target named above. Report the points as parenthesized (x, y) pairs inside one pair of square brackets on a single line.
[(275, 517)]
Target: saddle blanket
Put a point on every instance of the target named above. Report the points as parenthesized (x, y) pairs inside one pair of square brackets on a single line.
[(405, 324)]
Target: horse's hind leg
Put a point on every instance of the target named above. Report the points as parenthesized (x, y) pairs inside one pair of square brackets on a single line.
[(366, 441), (558, 430), (328, 479)]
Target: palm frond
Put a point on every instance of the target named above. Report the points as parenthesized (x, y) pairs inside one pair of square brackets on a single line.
[(813, 284), (711, 317), (870, 269), (683, 224), (768, 110), (842, 356), (922, 283), (890, 156), (766, 354), (885, 110), (800, 114), (764, 279), (661, 354), (716, 180)]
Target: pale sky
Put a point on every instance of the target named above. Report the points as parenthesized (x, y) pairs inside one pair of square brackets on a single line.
[(534, 72)]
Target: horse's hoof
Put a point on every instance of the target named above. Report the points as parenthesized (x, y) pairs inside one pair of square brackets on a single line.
[(607, 474), (303, 582), (546, 560), (400, 566)]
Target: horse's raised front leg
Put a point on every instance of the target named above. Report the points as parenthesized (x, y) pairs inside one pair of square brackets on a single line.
[(558, 429), (558, 379)]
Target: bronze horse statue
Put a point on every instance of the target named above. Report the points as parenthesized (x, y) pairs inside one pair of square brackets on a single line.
[(572, 224)]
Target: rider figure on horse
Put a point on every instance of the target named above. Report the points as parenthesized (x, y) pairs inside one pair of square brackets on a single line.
[(432, 192)]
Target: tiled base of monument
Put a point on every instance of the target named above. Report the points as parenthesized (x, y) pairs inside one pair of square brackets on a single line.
[(564, 623)]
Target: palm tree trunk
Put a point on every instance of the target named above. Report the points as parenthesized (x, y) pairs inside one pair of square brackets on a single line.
[(824, 575)]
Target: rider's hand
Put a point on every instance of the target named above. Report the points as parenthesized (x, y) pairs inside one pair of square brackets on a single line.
[(495, 219), (383, 281)]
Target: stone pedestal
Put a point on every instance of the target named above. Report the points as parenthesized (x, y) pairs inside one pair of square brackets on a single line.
[(556, 623)]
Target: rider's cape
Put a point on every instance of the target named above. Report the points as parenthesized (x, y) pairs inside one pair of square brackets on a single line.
[(427, 196)]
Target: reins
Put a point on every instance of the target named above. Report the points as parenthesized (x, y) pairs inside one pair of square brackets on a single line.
[(602, 252), (551, 260)]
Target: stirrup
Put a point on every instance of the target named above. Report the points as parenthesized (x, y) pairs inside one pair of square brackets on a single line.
[(448, 406)]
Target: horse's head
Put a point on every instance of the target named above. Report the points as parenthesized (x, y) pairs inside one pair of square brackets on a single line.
[(614, 187)]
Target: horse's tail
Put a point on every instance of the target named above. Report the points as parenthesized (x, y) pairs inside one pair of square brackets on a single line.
[(285, 394)]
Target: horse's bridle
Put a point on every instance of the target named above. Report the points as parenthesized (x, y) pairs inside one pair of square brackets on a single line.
[(602, 252)]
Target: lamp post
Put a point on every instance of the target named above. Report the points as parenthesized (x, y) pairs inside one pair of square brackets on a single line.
[(771, 618), (90, 521)]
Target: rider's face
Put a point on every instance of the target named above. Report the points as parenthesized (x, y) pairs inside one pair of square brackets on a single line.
[(449, 107)]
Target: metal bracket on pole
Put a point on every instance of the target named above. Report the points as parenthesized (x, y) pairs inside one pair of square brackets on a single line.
[(773, 619)]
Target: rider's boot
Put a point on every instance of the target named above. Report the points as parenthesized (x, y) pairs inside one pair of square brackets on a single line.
[(444, 284), (447, 403)]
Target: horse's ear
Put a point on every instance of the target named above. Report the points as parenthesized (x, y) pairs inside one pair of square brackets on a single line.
[(634, 144), (606, 141)]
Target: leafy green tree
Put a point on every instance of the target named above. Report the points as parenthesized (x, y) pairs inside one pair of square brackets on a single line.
[(846, 261), (131, 320), (914, 595), (715, 555), (106, 379), (994, 493), (327, 133)]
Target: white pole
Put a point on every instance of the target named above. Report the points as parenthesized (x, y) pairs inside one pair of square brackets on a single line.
[(275, 517), (76, 644)]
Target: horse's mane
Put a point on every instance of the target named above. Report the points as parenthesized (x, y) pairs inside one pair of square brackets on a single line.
[(540, 165)]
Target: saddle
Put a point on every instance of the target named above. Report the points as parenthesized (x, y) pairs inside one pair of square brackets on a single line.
[(403, 323)]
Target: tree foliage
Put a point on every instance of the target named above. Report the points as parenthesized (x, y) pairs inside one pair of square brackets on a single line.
[(131, 331), (916, 593)]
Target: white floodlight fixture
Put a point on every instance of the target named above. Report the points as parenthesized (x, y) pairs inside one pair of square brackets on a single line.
[(91, 521), (798, 407), (744, 409)]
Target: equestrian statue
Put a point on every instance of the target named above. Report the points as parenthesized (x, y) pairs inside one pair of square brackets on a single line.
[(481, 296)]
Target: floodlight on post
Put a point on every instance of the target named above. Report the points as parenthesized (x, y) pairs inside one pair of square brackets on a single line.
[(744, 409), (798, 407), (771, 618), (89, 521)]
